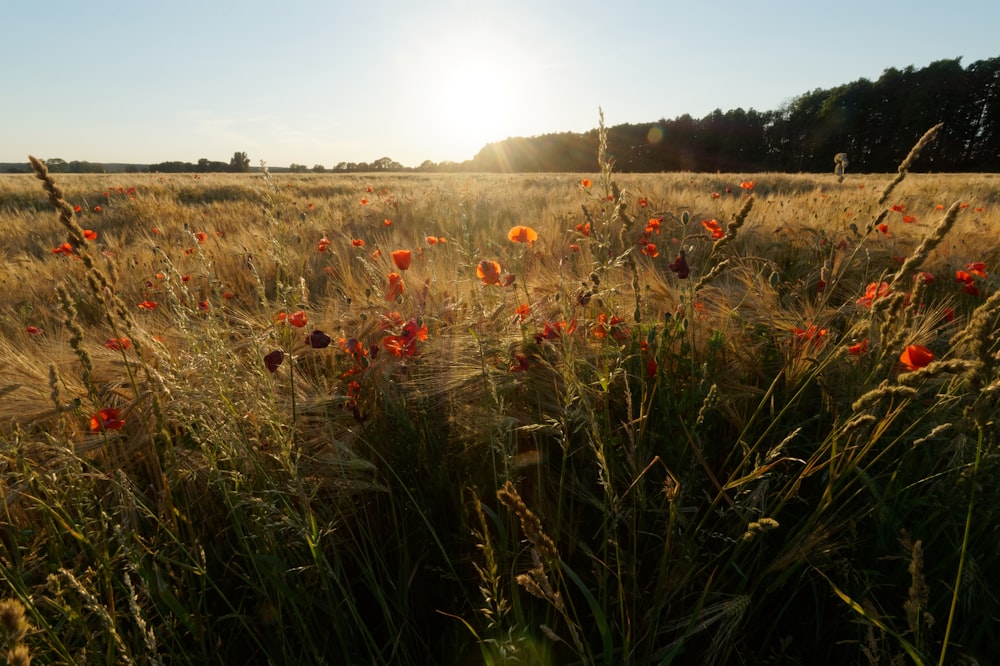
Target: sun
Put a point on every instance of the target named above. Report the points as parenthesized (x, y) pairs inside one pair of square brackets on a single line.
[(475, 104)]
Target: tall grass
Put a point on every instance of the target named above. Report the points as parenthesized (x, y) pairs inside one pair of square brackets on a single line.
[(599, 458)]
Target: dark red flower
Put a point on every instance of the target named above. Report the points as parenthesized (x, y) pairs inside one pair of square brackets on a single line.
[(680, 266), (318, 339), (106, 419), (273, 360)]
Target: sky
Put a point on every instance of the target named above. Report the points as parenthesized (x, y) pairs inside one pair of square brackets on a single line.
[(323, 82)]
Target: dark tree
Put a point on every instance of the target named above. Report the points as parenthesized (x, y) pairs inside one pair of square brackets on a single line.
[(240, 163)]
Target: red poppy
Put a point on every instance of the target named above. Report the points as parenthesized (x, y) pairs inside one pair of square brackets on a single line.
[(915, 357), (680, 266), (311, 206), (318, 339), (204, 306), (909, 219), (118, 344), (553, 329), (98, 209), (387, 222), (323, 244), (201, 236), (653, 226), (396, 287), (147, 305), (585, 183), (405, 344), (925, 277), (402, 259), (649, 249), (574, 247), (884, 228), (977, 268), (106, 419), (520, 363), (364, 201), (488, 271), (873, 291), (716, 195), (77, 208), (432, 240), (643, 202), (522, 234), (65, 248), (747, 185), (813, 333), (297, 319), (613, 326), (898, 208), (90, 234), (357, 242), (713, 228), (34, 330), (522, 311), (584, 228), (858, 348), (273, 359)]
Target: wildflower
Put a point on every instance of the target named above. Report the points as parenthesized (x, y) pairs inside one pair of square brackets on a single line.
[(488, 271), (813, 333), (649, 249), (405, 344), (395, 288), (204, 306), (364, 201), (643, 202), (318, 339), (311, 206), (520, 363), (98, 209), (613, 326), (522, 311), (747, 185), (585, 183), (34, 330), (977, 268), (553, 329), (357, 242), (925, 277), (402, 259), (653, 226), (297, 319), (897, 208), (432, 240), (377, 254), (574, 247), (323, 244), (118, 344), (90, 234), (273, 359), (909, 219), (106, 419), (915, 357), (147, 305), (858, 348), (713, 228), (716, 195), (873, 291), (884, 228), (387, 222), (77, 208), (584, 228), (522, 234), (651, 367), (65, 248), (680, 266), (200, 236)]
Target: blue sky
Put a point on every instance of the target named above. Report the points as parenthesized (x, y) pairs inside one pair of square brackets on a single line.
[(316, 82)]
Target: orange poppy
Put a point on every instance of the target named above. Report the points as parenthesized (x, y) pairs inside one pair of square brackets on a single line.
[(34, 330), (522, 311), (522, 234), (147, 305), (118, 344), (713, 228), (90, 234), (405, 344), (488, 271), (65, 248), (402, 259), (201, 236), (297, 319), (324, 243), (106, 419), (915, 357), (432, 240), (977, 268), (649, 249), (747, 185), (357, 242), (585, 183), (858, 348), (584, 228), (395, 288), (873, 291)]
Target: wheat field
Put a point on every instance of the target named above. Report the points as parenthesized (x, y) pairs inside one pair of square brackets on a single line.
[(537, 418)]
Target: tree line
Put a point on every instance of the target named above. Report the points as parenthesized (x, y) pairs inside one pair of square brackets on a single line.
[(874, 123)]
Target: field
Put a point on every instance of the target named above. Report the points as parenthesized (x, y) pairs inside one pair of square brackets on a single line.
[(372, 419)]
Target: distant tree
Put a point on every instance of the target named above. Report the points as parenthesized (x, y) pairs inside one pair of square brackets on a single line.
[(240, 163), (297, 168), (56, 164), (427, 165), (386, 164), (319, 168)]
